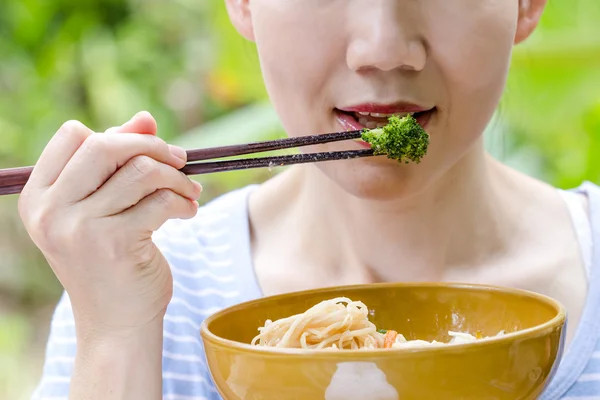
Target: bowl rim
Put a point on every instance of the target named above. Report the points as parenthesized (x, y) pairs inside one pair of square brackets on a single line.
[(557, 322)]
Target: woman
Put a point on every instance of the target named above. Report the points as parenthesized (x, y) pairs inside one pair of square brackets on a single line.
[(136, 300)]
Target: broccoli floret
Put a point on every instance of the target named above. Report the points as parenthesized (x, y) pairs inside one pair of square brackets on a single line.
[(402, 139)]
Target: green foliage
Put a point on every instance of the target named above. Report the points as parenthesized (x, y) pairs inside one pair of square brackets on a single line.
[(552, 106), (103, 61)]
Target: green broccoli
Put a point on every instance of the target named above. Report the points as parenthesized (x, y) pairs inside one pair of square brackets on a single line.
[(402, 139)]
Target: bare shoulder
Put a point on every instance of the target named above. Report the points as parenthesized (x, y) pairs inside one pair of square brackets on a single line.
[(547, 254), (542, 205)]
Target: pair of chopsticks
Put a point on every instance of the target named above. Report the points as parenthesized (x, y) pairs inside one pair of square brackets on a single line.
[(13, 180)]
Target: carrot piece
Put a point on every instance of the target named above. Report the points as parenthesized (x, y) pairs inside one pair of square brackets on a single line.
[(389, 339)]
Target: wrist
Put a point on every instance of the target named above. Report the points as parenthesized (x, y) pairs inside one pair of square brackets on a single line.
[(122, 340), (123, 364), (93, 335)]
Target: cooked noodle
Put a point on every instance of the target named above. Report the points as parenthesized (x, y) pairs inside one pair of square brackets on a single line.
[(340, 324)]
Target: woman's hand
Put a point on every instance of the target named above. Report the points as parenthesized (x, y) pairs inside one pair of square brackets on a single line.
[(91, 205)]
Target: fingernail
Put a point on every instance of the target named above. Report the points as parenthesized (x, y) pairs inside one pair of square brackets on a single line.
[(178, 152)]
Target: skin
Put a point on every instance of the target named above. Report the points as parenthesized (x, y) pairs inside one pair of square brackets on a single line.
[(457, 216)]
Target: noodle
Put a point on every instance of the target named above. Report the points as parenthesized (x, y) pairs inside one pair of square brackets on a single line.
[(339, 324)]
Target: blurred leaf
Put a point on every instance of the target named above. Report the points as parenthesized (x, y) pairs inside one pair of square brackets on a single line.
[(251, 123)]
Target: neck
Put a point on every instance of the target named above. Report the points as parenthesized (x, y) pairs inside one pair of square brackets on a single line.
[(429, 236)]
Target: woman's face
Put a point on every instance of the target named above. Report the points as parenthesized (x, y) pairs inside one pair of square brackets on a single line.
[(327, 61)]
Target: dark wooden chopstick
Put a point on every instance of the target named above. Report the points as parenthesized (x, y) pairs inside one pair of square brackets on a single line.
[(269, 145), (273, 161), (12, 180)]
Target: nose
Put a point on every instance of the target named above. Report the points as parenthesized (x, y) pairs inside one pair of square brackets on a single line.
[(382, 39)]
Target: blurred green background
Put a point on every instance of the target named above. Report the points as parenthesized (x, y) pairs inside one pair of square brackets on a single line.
[(101, 61)]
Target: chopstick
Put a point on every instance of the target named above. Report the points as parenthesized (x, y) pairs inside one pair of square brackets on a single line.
[(12, 180), (275, 161), (269, 145)]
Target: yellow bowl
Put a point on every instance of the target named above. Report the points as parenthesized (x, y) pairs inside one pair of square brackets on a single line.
[(517, 365)]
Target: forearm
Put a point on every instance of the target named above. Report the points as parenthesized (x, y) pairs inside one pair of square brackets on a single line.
[(119, 368)]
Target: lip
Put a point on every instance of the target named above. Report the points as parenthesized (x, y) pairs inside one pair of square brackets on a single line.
[(395, 108)]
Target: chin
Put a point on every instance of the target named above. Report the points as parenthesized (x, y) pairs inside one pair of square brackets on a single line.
[(379, 179)]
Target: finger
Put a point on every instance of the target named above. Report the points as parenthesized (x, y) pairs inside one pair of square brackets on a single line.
[(114, 129), (140, 177), (57, 154), (156, 209), (102, 154), (142, 122)]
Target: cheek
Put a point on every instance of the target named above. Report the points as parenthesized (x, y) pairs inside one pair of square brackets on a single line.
[(297, 59), (472, 50), (473, 45)]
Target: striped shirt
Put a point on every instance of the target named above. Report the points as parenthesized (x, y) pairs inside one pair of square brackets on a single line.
[(211, 263)]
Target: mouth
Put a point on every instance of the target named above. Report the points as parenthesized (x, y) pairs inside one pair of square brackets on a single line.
[(371, 116)]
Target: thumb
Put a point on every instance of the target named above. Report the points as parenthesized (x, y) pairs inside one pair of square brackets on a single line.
[(143, 123)]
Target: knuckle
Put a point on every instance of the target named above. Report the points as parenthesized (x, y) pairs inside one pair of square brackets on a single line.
[(41, 225), (73, 127), (145, 166), (97, 144), (166, 196), (74, 131), (156, 144), (54, 232)]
